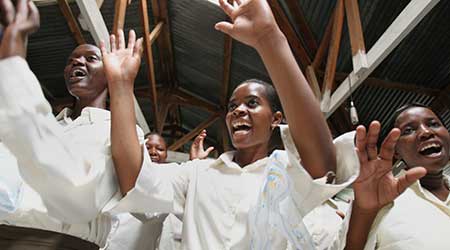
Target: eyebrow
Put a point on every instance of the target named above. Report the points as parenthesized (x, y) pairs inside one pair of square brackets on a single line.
[(246, 97)]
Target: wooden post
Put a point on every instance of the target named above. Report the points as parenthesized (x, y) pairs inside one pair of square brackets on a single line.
[(71, 21)]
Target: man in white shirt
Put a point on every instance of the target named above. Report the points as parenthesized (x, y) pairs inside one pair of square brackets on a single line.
[(65, 162)]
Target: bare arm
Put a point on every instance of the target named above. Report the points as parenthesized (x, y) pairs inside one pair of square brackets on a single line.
[(121, 67), (254, 25)]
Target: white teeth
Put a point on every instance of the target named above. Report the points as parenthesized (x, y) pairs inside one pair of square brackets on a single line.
[(240, 123), (432, 145), (78, 72)]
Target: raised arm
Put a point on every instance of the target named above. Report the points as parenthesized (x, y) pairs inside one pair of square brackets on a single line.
[(254, 25), (121, 67), (376, 186)]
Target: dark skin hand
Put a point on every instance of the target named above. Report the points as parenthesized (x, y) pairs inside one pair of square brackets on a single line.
[(19, 23), (375, 186)]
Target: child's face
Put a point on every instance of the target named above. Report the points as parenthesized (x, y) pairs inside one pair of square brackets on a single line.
[(424, 140), (249, 118), (157, 149)]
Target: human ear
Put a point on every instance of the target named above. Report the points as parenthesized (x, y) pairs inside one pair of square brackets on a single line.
[(277, 118)]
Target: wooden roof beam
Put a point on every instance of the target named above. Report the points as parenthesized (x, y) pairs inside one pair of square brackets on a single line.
[(120, 10), (413, 13), (164, 42), (71, 21), (189, 136), (324, 43), (333, 53), (359, 57), (305, 31), (149, 60), (297, 48)]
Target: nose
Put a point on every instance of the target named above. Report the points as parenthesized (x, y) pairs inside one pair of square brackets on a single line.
[(240, 110), (425, 132), (152, 151), (78, 61)]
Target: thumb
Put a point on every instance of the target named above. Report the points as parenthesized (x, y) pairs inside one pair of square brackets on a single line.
[(224, 27), (209, 150), (411, 176)]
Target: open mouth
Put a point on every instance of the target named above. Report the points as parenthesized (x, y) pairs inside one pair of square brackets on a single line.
[(241, 127), (431, 150), (77, 74)]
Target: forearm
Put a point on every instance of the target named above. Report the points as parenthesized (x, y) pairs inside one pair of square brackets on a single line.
[(360, 224), (306, 122), (126, 149)]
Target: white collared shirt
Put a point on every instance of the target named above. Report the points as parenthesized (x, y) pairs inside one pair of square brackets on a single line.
[(215, 196), (70, 166), (415, 220)]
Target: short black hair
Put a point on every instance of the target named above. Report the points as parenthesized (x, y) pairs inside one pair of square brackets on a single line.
[(407, 106), (271, 93)]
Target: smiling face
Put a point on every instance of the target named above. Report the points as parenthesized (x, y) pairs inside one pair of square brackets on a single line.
[(424, 140), (157, 148), (84, 74), (250, 119)]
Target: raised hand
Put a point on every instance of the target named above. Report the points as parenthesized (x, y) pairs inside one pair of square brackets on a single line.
[(122, 63), (197, 151), (18, 24), (252, 21), (376, 186)]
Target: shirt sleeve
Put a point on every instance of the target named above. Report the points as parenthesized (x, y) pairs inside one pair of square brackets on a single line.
[(74, 187), (311, 193), (168, 182)]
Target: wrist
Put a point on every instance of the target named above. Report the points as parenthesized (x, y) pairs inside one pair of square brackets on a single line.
[(272, 39), (368, 211)]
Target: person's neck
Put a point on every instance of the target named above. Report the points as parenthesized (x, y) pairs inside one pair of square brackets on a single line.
[(435, 183), (244, 157), (80, 104)]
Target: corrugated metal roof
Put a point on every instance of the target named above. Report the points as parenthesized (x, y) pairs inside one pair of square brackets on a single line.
[(421, 59)]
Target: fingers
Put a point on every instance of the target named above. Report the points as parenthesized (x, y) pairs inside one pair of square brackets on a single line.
[(224, 27), (226, 7), (411, 176), (239, 2), (201, 137), (387, 150), (372, 139), (361, 144), (121, 39), (33, 21), (138, 47), (7, 12), (22, 10), (103, 48), (112, 41), (131, 39)]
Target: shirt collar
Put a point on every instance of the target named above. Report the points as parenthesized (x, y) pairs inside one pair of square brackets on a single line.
[(419, 190), (226, 159), (90, 114)]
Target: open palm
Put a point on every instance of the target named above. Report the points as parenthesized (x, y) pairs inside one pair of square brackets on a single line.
[(376, 186), (122, 63), (252, 21)]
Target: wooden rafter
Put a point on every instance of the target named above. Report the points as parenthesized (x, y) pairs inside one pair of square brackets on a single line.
[(312, 81), (149, 60), (359, 57), (164, 42), (324, 43), (333, 53), (71, 21), (305, 31), (297, 47), (120, 9), (413, 13), (155, 32), (189, 136)]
